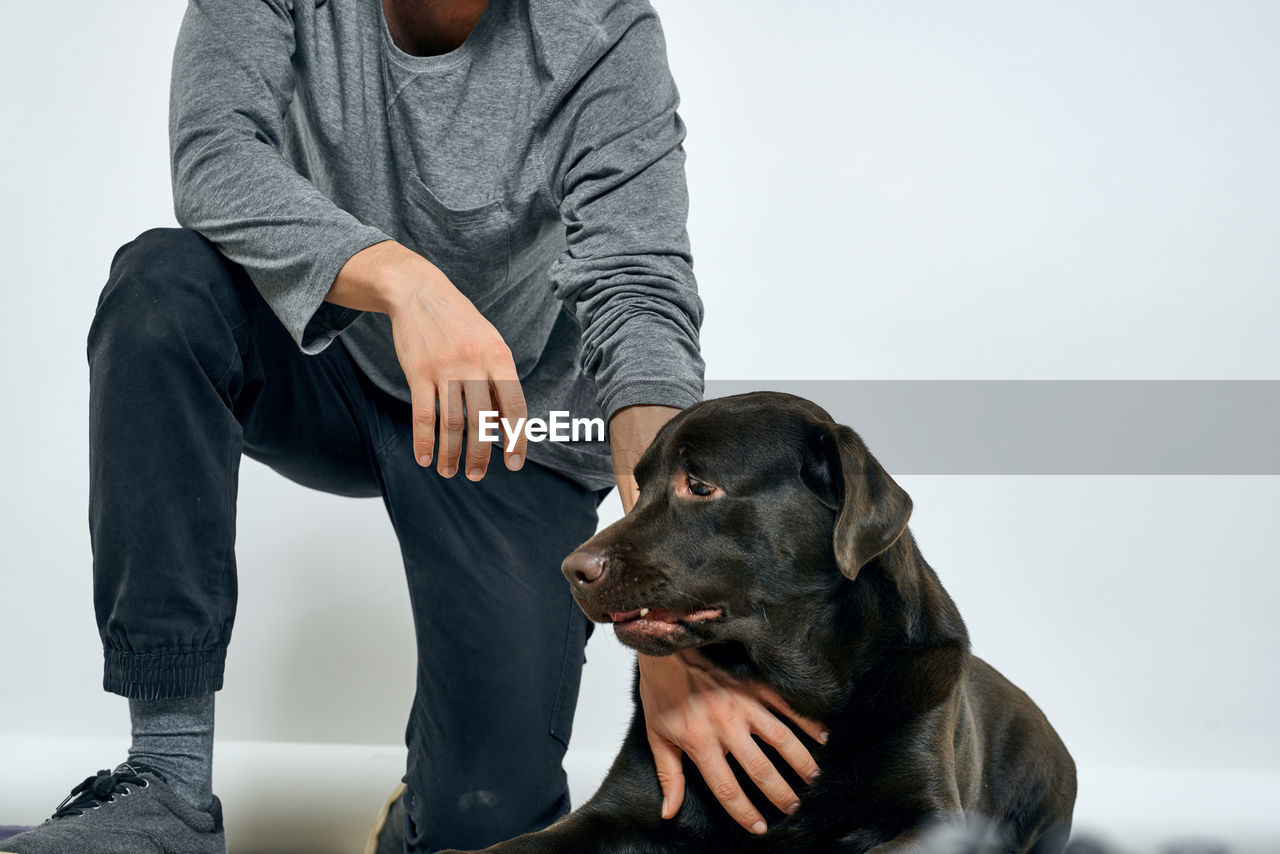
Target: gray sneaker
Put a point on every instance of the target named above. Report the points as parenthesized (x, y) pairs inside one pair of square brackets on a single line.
[(130, 810)]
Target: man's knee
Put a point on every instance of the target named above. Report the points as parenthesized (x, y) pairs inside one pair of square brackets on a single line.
[(167, 287)]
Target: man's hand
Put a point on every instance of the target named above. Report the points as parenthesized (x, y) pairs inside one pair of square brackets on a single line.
[(692, 708), (689, 707), (631, 432), (448, 350)]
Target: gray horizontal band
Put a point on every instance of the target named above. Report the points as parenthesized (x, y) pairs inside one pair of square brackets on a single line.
[(1053, 427)]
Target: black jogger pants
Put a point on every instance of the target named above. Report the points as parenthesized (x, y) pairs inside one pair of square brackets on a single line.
[(188, 369)]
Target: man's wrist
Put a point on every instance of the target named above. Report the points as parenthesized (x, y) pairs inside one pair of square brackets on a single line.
[(654, 667), (380, 278), (684, 658), (631, 431)]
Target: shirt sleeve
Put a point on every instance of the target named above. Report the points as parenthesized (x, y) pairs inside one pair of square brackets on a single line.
[(616, 170), (232, 83)]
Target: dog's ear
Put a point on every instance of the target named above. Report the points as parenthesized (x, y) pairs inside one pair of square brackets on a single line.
[(872, 510)]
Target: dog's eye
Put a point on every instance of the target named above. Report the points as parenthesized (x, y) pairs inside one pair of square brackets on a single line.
[(700, 489)]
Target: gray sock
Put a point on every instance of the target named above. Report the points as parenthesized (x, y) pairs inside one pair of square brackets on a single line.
[(175, 738)]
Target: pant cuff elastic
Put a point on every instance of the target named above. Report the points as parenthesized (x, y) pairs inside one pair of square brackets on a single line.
[(163, 675)]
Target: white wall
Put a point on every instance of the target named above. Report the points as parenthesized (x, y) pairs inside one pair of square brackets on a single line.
[(917, 190)]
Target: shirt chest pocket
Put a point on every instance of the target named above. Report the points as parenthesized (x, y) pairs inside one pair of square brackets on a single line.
[(472, 246)]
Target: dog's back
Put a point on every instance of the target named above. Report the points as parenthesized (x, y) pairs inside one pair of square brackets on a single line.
[(1011, 765)]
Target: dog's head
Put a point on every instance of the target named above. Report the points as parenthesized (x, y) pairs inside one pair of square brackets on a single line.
[(748, 504)]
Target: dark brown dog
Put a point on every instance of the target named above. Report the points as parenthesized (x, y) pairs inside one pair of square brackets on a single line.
[(767, 536)]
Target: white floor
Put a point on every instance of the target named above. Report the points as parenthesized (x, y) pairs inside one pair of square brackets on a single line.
[(319, 798)]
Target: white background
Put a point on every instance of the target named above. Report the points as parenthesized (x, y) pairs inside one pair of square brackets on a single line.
[(913, 190)]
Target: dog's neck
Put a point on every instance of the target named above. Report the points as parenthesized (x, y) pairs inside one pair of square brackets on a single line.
[(890, 637)]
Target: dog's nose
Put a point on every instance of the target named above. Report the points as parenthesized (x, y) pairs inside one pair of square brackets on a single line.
[(583, 568)]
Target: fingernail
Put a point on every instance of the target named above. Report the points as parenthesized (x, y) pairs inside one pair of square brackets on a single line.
[(515, 462), (759, 827), (813, 778), (475, 474), (424, 460), (793, 809), (447, 471), (823, 736), (664, 808)]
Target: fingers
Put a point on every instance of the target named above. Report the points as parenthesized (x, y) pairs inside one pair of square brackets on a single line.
[(450, 352), (453, 422), (780, 737), (719, 777), (814, 729), (461, 407), (477, 401), (460, 410), (669, 761), (511, 406), (766, 777), (423, 403)]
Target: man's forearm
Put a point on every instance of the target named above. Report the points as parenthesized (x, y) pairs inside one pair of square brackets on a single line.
[(233, 81)]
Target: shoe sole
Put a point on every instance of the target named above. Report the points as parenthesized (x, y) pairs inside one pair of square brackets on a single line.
[(379, 821)]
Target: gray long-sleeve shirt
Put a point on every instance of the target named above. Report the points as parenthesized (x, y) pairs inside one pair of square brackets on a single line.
[(539, 165)]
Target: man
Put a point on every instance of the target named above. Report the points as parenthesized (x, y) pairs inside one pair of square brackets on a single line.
[(396, 217)]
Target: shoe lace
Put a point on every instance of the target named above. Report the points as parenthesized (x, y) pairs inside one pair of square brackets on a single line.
[(97, 790)]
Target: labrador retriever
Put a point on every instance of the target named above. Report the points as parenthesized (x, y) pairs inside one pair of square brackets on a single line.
[(768, 537)]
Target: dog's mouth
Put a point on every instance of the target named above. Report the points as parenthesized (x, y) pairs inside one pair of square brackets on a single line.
[(659, 623)]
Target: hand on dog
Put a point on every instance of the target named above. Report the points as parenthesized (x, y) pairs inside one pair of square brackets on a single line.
[(631, 431), (690, 708)]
